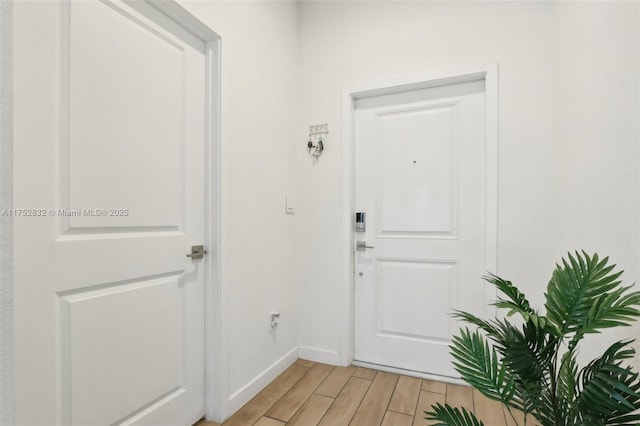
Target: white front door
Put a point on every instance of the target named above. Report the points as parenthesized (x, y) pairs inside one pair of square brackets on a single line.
[(420, 179), (109, 169)]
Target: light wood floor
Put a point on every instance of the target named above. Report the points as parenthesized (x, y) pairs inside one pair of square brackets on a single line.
[(310, 393)]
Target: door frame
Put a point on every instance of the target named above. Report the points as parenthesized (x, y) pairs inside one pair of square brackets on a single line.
[(422, 80), (7, 394), (215, 374)]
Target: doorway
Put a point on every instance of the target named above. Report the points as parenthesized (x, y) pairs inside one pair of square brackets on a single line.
[(424, 167)]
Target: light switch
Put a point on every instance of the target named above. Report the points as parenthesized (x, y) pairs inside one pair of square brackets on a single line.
[(291, 205)]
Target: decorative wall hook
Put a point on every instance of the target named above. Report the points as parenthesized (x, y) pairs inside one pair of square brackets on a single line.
[(318, 134)]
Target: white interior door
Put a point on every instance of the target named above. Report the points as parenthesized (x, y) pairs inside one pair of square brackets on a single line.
[(109, 157), (420, 176)]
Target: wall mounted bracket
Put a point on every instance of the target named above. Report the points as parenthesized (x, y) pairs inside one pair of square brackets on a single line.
[(318, 134)]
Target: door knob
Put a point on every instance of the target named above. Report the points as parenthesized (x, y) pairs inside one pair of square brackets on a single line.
[(362, 245), (197, 252)]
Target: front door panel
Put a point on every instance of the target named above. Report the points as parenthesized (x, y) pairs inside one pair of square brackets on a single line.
[(420, 178)]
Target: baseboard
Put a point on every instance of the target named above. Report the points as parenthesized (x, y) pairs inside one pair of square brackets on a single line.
[(251, 389), (319, 355), (411, 373)]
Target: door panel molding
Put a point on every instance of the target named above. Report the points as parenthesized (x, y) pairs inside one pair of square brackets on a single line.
[(84, 184), (85, 337), (444, 230), (363, 92), (447, 271)]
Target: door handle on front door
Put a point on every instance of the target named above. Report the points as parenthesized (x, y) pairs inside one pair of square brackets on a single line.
[(362, 245), (197, 252)]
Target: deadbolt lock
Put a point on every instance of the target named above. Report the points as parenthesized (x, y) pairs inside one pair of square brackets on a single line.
[(197, 252)]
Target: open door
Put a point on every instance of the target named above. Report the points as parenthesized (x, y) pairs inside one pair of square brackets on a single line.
[(109, 160)]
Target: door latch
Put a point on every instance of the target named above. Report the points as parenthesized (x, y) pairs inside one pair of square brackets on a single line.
[(197, 252), (362, 245)]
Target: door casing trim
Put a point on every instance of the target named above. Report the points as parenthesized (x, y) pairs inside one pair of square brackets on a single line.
[(414, 81), (7, 364)]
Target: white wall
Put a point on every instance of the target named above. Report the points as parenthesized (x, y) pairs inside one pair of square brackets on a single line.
[(342, 43), (568, 82), (596, 114), (258, 170)]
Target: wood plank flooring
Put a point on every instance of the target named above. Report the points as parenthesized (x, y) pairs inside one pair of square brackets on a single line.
[(311, 394)]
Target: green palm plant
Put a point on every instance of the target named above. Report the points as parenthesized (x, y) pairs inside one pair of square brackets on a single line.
[(532, 366)]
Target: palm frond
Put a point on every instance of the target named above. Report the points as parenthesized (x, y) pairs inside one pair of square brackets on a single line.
[(478, 364), (527, 352), (516, 300), (610, 310), (493, 329), (567, 389), (450, 416), (628, 420), (579, 284), (609, 390)]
